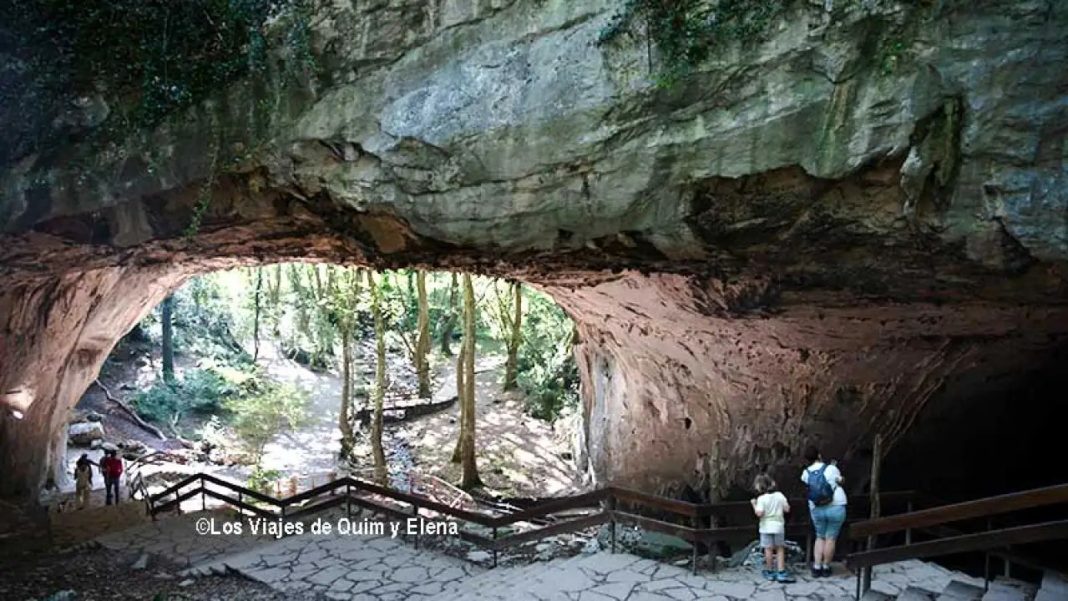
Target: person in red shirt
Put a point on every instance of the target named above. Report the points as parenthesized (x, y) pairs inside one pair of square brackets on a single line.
[(111, 467)]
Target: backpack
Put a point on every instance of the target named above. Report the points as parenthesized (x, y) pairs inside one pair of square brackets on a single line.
[(820, 491)]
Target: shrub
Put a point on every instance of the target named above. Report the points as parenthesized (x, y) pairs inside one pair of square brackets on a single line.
[(199, 391), (547, 372), (258, 417), (260, 480)]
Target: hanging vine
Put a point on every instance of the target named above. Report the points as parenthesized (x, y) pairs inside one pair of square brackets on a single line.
[(687, 32), (143, 59)]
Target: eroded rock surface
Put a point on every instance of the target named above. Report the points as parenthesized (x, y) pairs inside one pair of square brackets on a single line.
[(835, 224)]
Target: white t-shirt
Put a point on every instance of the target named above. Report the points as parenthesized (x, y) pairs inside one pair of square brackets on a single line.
[(833, 476), (773, 505)]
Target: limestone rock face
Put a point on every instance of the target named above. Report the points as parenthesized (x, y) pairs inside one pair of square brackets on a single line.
[(814, 236), (84, 433)]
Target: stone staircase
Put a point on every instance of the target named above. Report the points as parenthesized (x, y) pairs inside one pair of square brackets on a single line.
[(75, 526), (962, 588), (381, 568)]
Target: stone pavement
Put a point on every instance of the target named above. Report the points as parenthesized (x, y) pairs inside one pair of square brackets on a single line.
[(176, 538), (623, 577), (372, 568)]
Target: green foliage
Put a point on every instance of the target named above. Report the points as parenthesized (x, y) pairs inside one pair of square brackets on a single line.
[(547, 371), (147, 58), (198, 391), (260, 479), (687, 32), (890, 55), (204, 324), (260, 416)]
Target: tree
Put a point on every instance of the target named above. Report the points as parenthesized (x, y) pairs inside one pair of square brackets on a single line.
[(450, 318), (256, 314), (166, 312), (422, 345), (468, 467), (380, 381), (507, 313), (259, 417), (345, 298), (515, 337)]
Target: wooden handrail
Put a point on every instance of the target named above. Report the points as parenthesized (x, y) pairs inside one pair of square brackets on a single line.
[(170, 490), (682, 508), (553, 506), (356, 488), (264, 498), (311, 493), (936, 516), (571, 525), (982, 541)]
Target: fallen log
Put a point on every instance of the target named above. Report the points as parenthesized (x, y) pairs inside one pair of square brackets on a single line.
[(130, 412)]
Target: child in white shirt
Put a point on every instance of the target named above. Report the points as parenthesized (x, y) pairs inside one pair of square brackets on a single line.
[(771, 507)]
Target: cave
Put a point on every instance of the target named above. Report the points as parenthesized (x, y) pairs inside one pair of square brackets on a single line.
[(819, 252)]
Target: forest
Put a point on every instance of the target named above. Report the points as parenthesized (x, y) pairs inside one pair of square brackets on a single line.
[(388, 339)]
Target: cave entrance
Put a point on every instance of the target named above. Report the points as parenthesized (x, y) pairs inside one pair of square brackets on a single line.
[(245, 372), (685, 381)]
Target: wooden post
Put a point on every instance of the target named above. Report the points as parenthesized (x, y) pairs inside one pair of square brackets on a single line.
[(876, 505), (415, 513), (494, 546), (908, 531), (986, 559), (612, 522), (693, 546)]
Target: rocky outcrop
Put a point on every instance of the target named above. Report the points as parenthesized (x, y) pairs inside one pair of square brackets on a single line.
[(84, 433), (814, 236)]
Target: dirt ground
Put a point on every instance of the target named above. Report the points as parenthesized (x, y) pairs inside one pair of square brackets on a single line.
[(94, 575), (518, 455)]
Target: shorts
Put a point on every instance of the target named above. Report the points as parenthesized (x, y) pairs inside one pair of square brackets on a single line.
[(828, 520), (777, 539)]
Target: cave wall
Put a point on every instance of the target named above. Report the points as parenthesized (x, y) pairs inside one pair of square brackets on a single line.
[(676, 394), (55, 334)]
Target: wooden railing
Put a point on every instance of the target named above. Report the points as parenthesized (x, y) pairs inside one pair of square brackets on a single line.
[(613, 505), (948, 541)]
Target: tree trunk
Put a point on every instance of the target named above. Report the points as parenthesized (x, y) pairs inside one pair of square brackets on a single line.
[(166, 312), (344, 420), (450, 320), (460, 363), (380, 383), (511, 365), (256, 315), (422, 345), (468, 467)]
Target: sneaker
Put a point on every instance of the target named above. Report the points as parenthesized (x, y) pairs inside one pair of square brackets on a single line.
[(825, 572), (768, 575), (817, 572), (784, 576)]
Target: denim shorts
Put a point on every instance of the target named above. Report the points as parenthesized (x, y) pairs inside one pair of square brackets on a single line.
[(772, 540), (828, 520)]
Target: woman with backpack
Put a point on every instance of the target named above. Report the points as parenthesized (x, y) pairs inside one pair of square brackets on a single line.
[(827, 504)]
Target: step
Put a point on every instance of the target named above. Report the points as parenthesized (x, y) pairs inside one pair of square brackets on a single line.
[(497, 579), (961, 591), (1004, 589), (1054, 584), (913, 593)]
